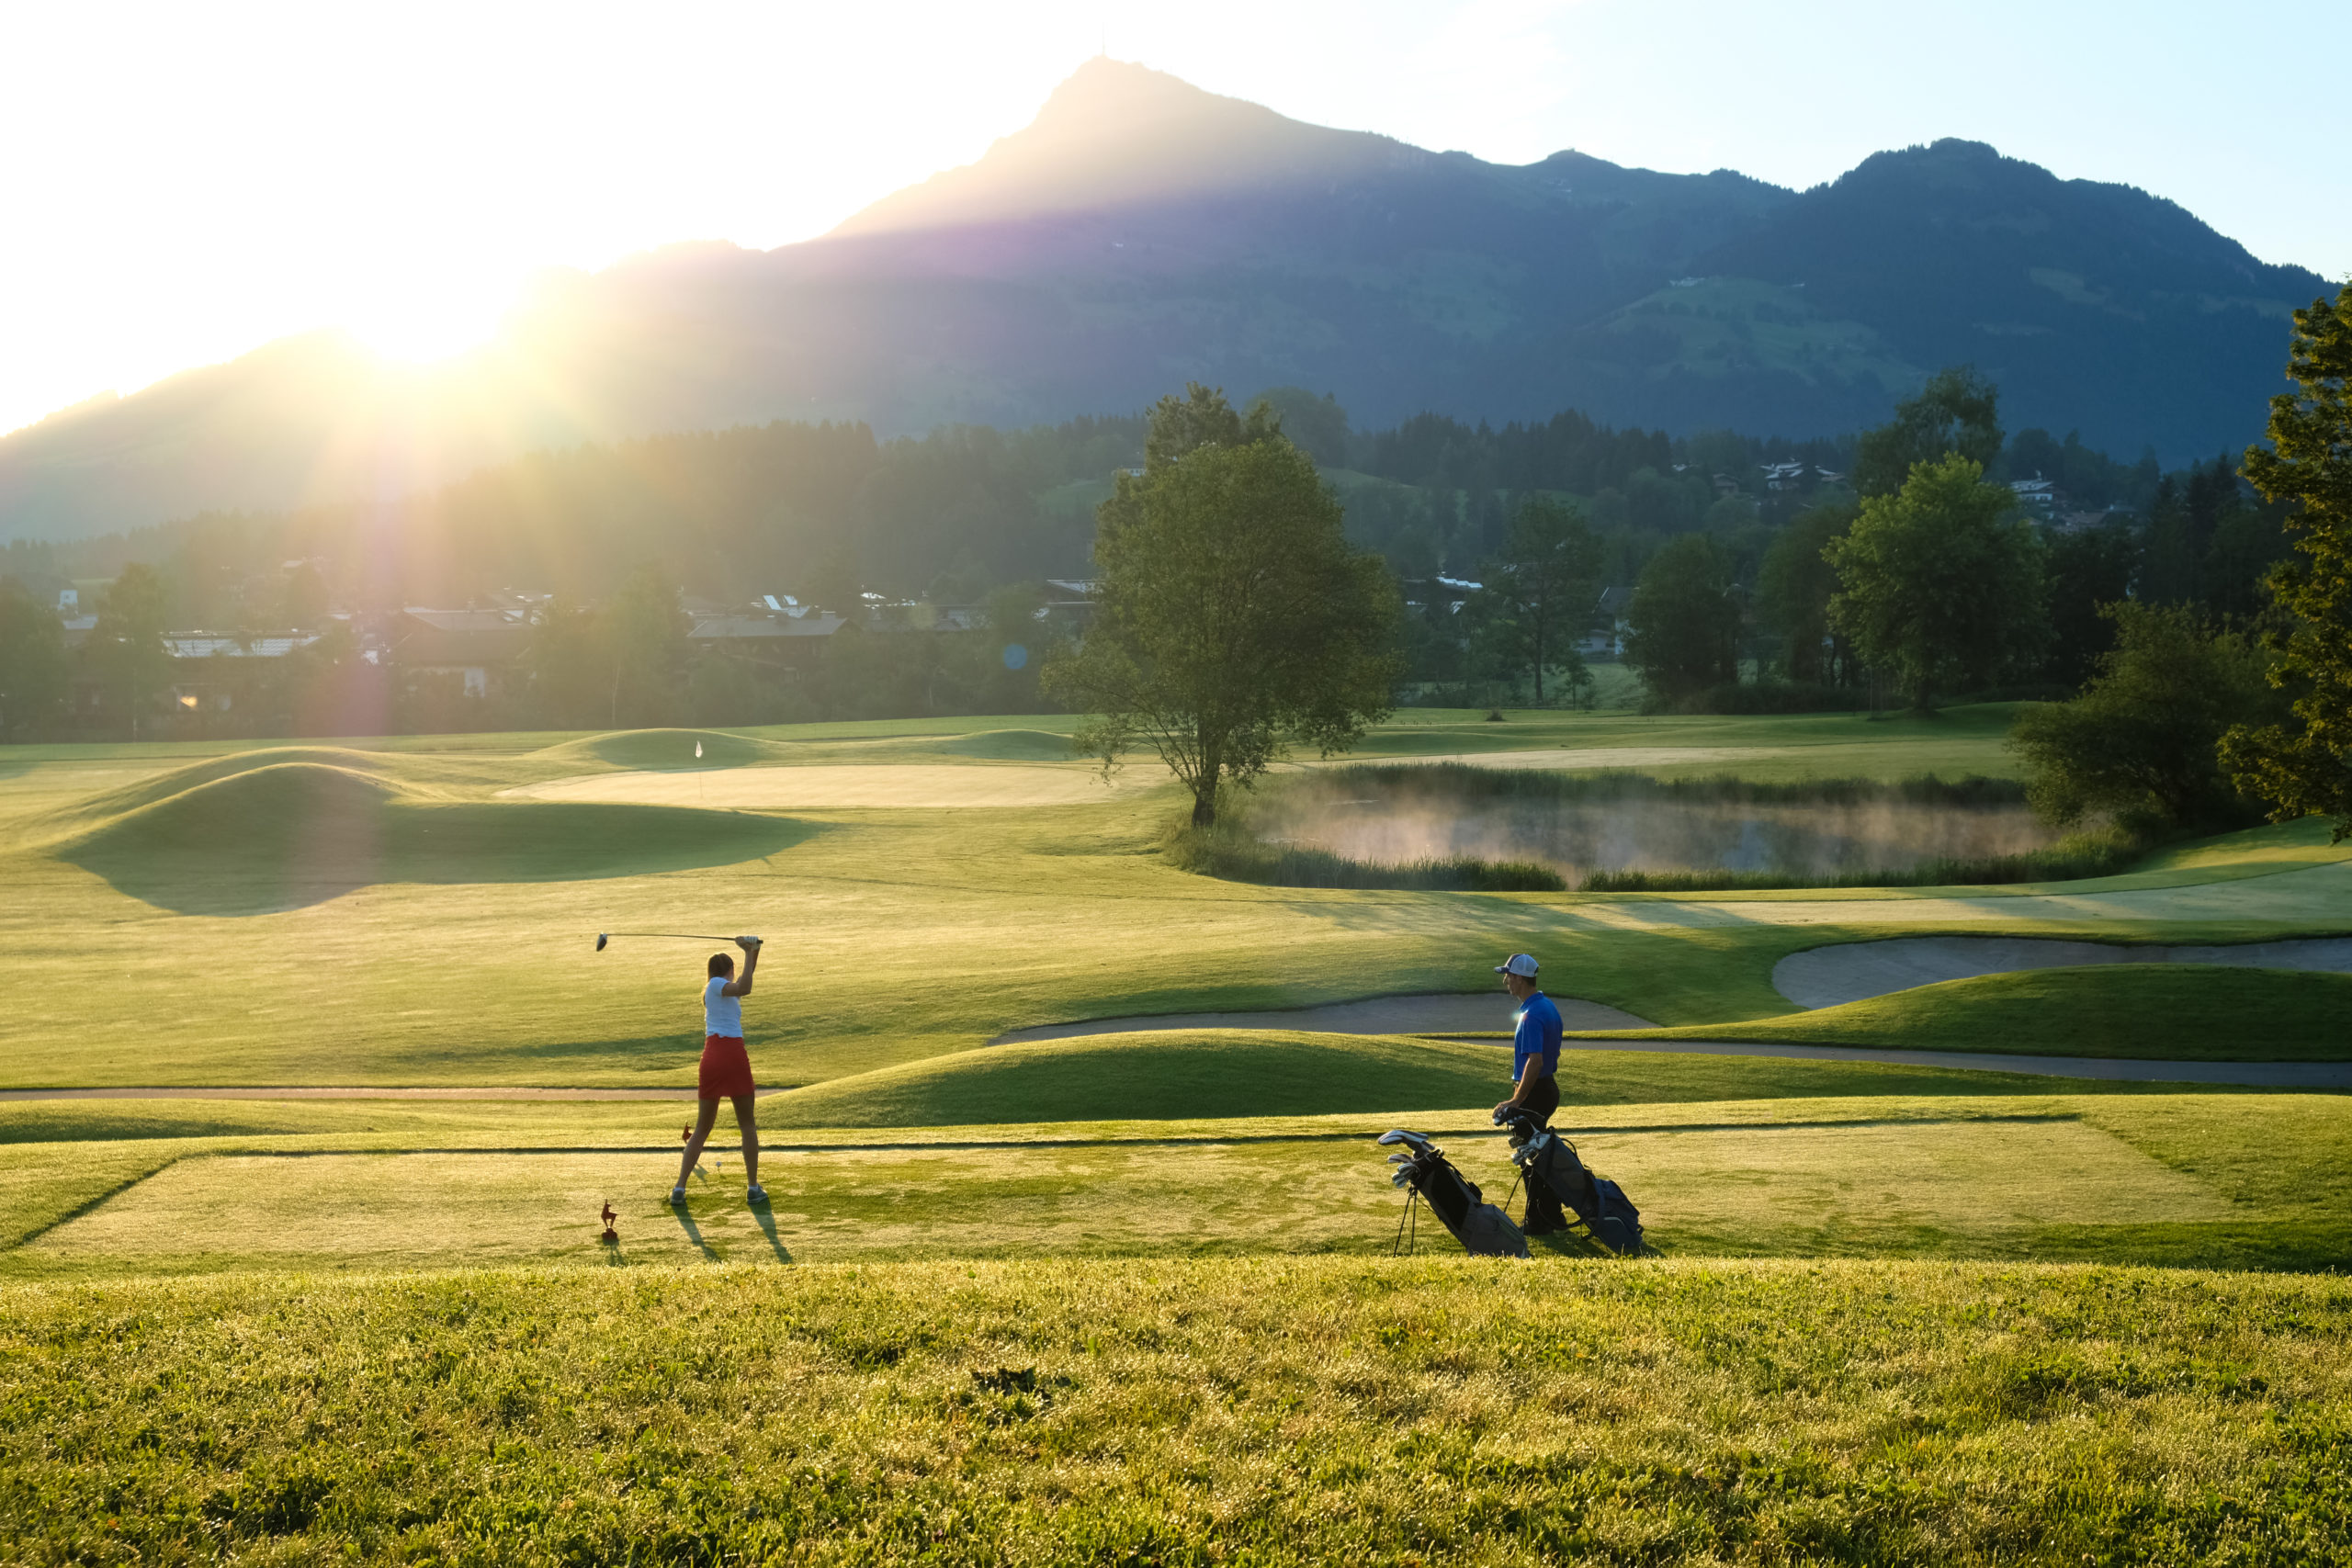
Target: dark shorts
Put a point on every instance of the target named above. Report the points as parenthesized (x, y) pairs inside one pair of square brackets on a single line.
[(1543, 1097), (726, 1067)]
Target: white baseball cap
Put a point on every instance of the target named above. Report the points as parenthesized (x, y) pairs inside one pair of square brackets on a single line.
[(1519, 963)]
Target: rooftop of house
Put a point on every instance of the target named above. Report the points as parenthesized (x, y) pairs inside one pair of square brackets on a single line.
[(468, 620), (212, 645), (715, 629)]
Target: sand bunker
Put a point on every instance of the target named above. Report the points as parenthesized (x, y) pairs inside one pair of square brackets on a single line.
[(1851, 972), (841, 787), (1479, 1012)]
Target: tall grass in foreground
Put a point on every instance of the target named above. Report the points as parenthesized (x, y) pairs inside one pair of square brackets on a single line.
[(1467, 782), (2104, 852), (1423, 1412)]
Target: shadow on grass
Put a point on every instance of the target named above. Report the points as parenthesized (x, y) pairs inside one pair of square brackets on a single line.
[(293, 834), (766, 1222), (694, 1234)]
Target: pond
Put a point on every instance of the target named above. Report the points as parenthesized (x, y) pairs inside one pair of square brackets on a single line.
[(1581, 825)]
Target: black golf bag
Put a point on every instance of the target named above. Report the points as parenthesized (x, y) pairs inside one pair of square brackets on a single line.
[(1608, 1216), (1422, 1168)]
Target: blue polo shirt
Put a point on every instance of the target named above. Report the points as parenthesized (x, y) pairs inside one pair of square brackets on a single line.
[(1538, 1035)]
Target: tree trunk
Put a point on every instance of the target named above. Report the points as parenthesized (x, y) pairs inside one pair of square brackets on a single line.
[(1204, 790)]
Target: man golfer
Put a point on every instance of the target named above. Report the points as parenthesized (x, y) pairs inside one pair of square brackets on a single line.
[(1535, 1059), (727, 1066)]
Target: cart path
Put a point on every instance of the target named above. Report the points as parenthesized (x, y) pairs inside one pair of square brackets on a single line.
[(1854, 971), (266, 1092), (2256, 1075), (2251, 1074)]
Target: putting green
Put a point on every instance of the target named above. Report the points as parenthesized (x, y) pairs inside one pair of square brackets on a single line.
[(1700, 1190), (845, 787)]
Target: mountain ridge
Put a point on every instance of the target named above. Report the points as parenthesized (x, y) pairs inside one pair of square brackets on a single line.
[(1140, 232)]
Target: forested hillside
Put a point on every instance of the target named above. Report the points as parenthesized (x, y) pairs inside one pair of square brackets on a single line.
[(1141, 233)]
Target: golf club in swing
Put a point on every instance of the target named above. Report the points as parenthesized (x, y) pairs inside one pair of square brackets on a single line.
[(603, 937)]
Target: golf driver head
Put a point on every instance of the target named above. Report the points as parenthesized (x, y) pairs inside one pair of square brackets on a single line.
[(600, 940)]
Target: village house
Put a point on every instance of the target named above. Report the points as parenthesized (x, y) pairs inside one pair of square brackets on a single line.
[(2037, 495), (205, 666), (480, 647)]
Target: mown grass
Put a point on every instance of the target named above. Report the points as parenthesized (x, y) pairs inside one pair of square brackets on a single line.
[(2169, 1012), (289, 833), (1253, 1411), (1196, 1074), (2237, 1180), (991, 921)]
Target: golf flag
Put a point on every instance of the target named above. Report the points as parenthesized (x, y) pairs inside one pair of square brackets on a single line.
[(697, 748)]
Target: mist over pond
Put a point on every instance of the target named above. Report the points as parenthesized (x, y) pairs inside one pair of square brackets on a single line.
[(1581, 825)]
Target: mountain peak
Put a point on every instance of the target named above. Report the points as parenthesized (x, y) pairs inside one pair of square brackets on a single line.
[(1116, 135)]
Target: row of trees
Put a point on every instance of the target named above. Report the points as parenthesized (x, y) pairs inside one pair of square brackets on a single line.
[(1932, 577), (623, 661), (1235, 618), (124, 654)]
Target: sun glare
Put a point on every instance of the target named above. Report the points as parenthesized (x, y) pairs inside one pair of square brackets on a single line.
[(428, 319)]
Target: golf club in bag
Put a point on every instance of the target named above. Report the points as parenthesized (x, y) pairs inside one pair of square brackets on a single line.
[(1427, 1176), (1608, 1216)]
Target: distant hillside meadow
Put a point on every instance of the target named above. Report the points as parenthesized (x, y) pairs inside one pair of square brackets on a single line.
[(1142, 232)]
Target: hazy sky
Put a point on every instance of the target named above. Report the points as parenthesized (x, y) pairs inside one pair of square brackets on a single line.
[(186, 181)]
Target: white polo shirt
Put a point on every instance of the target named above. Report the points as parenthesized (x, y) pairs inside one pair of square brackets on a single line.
[(722, 1014)]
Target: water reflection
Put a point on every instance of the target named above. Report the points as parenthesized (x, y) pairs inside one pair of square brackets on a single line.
[(1841, 836)]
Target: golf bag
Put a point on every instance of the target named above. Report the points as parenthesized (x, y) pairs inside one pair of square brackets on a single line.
[(1422, 1168), (1608, 1216)]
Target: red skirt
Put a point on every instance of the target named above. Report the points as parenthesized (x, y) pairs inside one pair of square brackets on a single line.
[(726, 1067)]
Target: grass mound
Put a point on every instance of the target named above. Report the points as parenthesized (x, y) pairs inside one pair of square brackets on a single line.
[(1211, 1073), (1273, 1412), (2171, 1012), (665, 749), (212, 769), (1010, 745), (292, 833)]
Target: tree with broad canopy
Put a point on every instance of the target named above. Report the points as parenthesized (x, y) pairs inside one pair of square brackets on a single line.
[(1940, 584), (1232, 618)]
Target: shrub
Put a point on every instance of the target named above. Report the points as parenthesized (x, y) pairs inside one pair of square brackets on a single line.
[(2141, 742)]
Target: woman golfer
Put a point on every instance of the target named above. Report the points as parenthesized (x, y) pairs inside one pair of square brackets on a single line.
[(726, 1066)]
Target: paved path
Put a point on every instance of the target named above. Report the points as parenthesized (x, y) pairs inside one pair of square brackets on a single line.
[(1853, 971), (2254, 1075), (1454, 1013), (2260, 1075), (268, 1092)]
